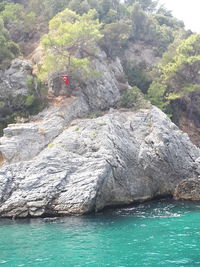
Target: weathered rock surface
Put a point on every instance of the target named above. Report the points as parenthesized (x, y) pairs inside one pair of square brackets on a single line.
[(141, 53), (102, 91), (13, 82), (188, 190), (56, 166), (24, 141), (119, 158), (14, 89)]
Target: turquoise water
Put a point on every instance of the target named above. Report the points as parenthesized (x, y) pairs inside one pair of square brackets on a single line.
[(163, 233)]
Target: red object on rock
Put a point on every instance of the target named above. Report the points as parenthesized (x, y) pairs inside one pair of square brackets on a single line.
[(65, 79)]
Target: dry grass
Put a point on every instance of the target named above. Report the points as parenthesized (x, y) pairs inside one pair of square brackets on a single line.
[(1, 159), (42, 131)]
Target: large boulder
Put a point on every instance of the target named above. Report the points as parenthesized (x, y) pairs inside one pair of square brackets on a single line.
[(118, 158)]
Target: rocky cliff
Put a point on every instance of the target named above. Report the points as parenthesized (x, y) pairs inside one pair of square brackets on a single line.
[(59, 164), (24, 141)]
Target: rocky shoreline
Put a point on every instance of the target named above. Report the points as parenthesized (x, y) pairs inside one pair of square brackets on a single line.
[(119, 158), (63, 163)]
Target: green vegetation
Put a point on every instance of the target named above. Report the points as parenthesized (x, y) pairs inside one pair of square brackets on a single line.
[(19, 23), (35, 101), (78, 29), (182, 71), (16, 26), (138, 76), (8, 49), (178, 74), (70, 34), (96, 114), (156, 93), (93, 135), (51, 145), (21, 106), (116, 33), (133, 98), (102, 123)]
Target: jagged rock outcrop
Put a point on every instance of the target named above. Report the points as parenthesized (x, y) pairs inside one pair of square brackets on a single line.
[(115, 159), (103, 90), (23, 141), (13, 82), (14, 89)]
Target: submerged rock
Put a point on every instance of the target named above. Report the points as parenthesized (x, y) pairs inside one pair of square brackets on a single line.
[(118, 158)]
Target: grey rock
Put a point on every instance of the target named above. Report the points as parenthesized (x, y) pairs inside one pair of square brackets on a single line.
[(23, 141), (103, 92), (13, 82), (60, 165), (119, 158), (140, 52)]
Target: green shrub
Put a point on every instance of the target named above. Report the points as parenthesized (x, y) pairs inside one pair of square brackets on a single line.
[(36, 100), (116, 33), (156, 93), (137, 76), (29, 100), (17, 21), (8, 49), (133, 98)]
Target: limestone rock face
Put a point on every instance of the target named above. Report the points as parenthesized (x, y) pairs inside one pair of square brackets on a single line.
[(118, 158), (63, 163), (103, 92)]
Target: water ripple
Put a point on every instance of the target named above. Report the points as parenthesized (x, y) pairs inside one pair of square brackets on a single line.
[(164, 233)]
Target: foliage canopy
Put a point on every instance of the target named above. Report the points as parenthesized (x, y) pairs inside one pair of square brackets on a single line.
[(70, 43)]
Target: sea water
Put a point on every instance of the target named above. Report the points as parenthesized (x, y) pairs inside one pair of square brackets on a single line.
[(160, 233)]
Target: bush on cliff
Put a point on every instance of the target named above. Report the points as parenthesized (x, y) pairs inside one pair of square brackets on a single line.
[(17, 21), (178, 75), (133, 98), (8, 49)]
